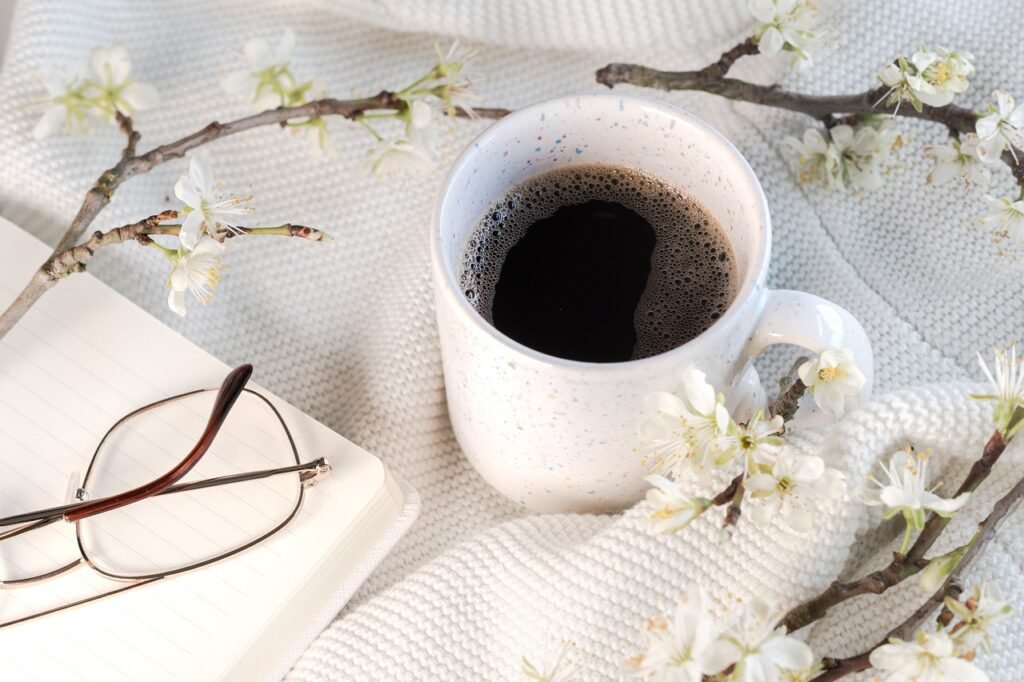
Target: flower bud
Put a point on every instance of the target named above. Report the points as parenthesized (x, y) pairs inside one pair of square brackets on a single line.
[(939, 568)]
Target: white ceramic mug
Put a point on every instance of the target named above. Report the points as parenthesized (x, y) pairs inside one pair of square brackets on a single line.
[(559, 435)]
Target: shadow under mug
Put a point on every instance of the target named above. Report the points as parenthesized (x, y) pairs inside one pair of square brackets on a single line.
[(559, 435)]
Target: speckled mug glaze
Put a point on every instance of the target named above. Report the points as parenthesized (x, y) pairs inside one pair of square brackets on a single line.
[(559, 435)]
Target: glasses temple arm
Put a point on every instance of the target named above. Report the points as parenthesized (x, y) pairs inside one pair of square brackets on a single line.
[(310, 473), (229, 391)]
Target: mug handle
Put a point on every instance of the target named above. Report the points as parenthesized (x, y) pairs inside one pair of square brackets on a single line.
[(807, 320)]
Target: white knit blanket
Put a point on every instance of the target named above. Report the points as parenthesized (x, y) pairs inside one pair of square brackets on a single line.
[(346, 332)]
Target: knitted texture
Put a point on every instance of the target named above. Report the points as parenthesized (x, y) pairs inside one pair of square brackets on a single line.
[(346, 331)]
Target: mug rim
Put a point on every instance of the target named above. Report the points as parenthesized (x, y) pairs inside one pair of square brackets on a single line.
[(753, 279)]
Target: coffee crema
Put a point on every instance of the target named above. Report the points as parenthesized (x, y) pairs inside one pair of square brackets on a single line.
[(599, 263)]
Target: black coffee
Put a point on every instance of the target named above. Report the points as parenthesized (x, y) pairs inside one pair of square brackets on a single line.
[(599, 263)]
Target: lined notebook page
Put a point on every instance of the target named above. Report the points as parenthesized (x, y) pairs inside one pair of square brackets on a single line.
[(80, 359)]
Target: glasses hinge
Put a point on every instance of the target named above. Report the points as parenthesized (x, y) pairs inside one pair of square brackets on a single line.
[(81, 494), (311, 477)]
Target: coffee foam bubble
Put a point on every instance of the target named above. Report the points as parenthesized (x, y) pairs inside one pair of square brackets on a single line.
[(693, 274)]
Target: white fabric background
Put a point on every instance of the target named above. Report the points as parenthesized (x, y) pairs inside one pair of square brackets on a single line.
[(346, 331)]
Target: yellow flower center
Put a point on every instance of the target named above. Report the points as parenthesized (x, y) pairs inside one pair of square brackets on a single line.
[(831, 373), (941, 73)]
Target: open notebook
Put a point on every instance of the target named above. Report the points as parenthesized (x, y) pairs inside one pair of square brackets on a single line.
[(68, 371)]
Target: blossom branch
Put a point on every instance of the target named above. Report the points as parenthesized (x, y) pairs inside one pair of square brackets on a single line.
[(132, 164), (712, 79), (64, 263), (902, 566), (838, 668), (830, 109)]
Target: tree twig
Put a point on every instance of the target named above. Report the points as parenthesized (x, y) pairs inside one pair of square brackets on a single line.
[(729, 57), (734, 510), (124, 122), (132, 164), (729, 492), (901, 567), (1001, 510), (791, 389)]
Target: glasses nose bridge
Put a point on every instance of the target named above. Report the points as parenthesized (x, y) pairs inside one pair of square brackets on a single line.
[(74, 491)]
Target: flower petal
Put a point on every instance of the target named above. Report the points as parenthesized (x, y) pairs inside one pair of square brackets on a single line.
[(258, 54), (987, 126), (760, 483), (176, 301), (829, 400), (199, 171), (941, 505), (666, 403), (763, 10), (898, 498), (808, 468), (799, 518), (943, 173), (237, 83), (960, 670), (787, 652), (51, 122), (111, 65), (718, 656), (285, 46), (191, 229), (185, 190), (771, 42), (140, 96), (699, 393)]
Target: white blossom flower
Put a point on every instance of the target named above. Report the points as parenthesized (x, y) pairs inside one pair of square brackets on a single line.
[(398, 156), (561, 669), (793, 487), (684, 431), (928, 77), (930, 656), (678, 650), (757, 441), (452, 89), (1007, 388), (831, 378), (112, 68), (848, 157), (267, 80), (67, 98), (206, 208), (977, 613), (196, 271), (783, 25), (760, 651), (673, 510), (1008, 217), (1001, 129), (904, 491), (958, 159), (100, 88)]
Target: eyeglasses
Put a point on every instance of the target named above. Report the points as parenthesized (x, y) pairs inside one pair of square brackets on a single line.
[(142, 513)]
